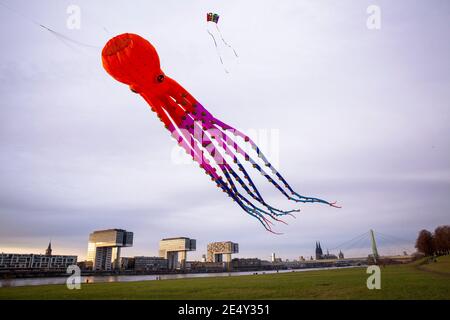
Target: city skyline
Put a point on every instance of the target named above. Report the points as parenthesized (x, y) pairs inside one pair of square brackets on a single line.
[(197, 255), (362, 118)]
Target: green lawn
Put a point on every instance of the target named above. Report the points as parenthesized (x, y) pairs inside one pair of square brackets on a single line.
[(442, 265), (414, 281)]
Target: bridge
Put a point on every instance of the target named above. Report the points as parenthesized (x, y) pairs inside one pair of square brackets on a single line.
[(381, 248)]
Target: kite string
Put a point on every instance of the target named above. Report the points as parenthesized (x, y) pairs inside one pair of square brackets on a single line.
[(20, 14), (60, 36)]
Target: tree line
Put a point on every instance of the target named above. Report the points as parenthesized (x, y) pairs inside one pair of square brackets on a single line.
[(437, 243)]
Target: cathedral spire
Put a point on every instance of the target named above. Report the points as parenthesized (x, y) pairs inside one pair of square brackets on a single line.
[(48, 252)]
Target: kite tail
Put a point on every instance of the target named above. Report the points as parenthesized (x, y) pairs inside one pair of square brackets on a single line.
[(226, 43), (193, 150), (197, 147), (217, 50), (287, 191), (194, 120), (255, 194), (294, 196)]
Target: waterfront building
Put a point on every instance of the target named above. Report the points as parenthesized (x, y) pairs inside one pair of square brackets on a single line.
[(247, 264), (142, 263), (175, 251), (126, 263), (198, 266), (36, 262), (216, 251), (104, 248)]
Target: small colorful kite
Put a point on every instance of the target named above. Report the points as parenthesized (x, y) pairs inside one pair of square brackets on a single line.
[(212, 19), (132, 60)]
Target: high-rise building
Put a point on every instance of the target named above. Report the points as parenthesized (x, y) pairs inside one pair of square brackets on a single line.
[(216, 251), (175, 251), (104, 248)]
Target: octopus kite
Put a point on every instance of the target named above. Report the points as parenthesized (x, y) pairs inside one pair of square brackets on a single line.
[(217, 147)]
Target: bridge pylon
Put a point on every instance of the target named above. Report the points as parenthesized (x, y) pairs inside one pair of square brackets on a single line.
[(374, 246)]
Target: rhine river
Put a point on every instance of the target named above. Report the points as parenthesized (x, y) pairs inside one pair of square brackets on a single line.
[(130, 278)]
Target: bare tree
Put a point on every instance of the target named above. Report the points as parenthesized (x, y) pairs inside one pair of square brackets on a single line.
[(442, 240), (425, 243)]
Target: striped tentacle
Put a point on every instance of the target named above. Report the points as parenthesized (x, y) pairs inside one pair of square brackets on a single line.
[(184, 98), (225, 167), (273, 210), (194, 152), (198, 155), (227, 170), (260, 212), (251, 212), (201, 114), (193, 122), (298, 197), (255, 194), (253, 163)]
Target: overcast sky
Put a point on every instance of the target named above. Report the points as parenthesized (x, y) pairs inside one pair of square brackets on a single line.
[(362, 117)]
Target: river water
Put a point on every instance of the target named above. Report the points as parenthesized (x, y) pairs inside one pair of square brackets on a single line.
[(131, 278)]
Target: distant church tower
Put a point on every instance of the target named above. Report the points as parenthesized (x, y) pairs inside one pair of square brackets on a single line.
[(319, 252), (48, 252)]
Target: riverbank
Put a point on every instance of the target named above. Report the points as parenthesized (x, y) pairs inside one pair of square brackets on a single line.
[(397, 282), (105, 277)]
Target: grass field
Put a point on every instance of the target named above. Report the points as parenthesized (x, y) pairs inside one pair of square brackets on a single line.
[(442, 265), (413, 281)]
